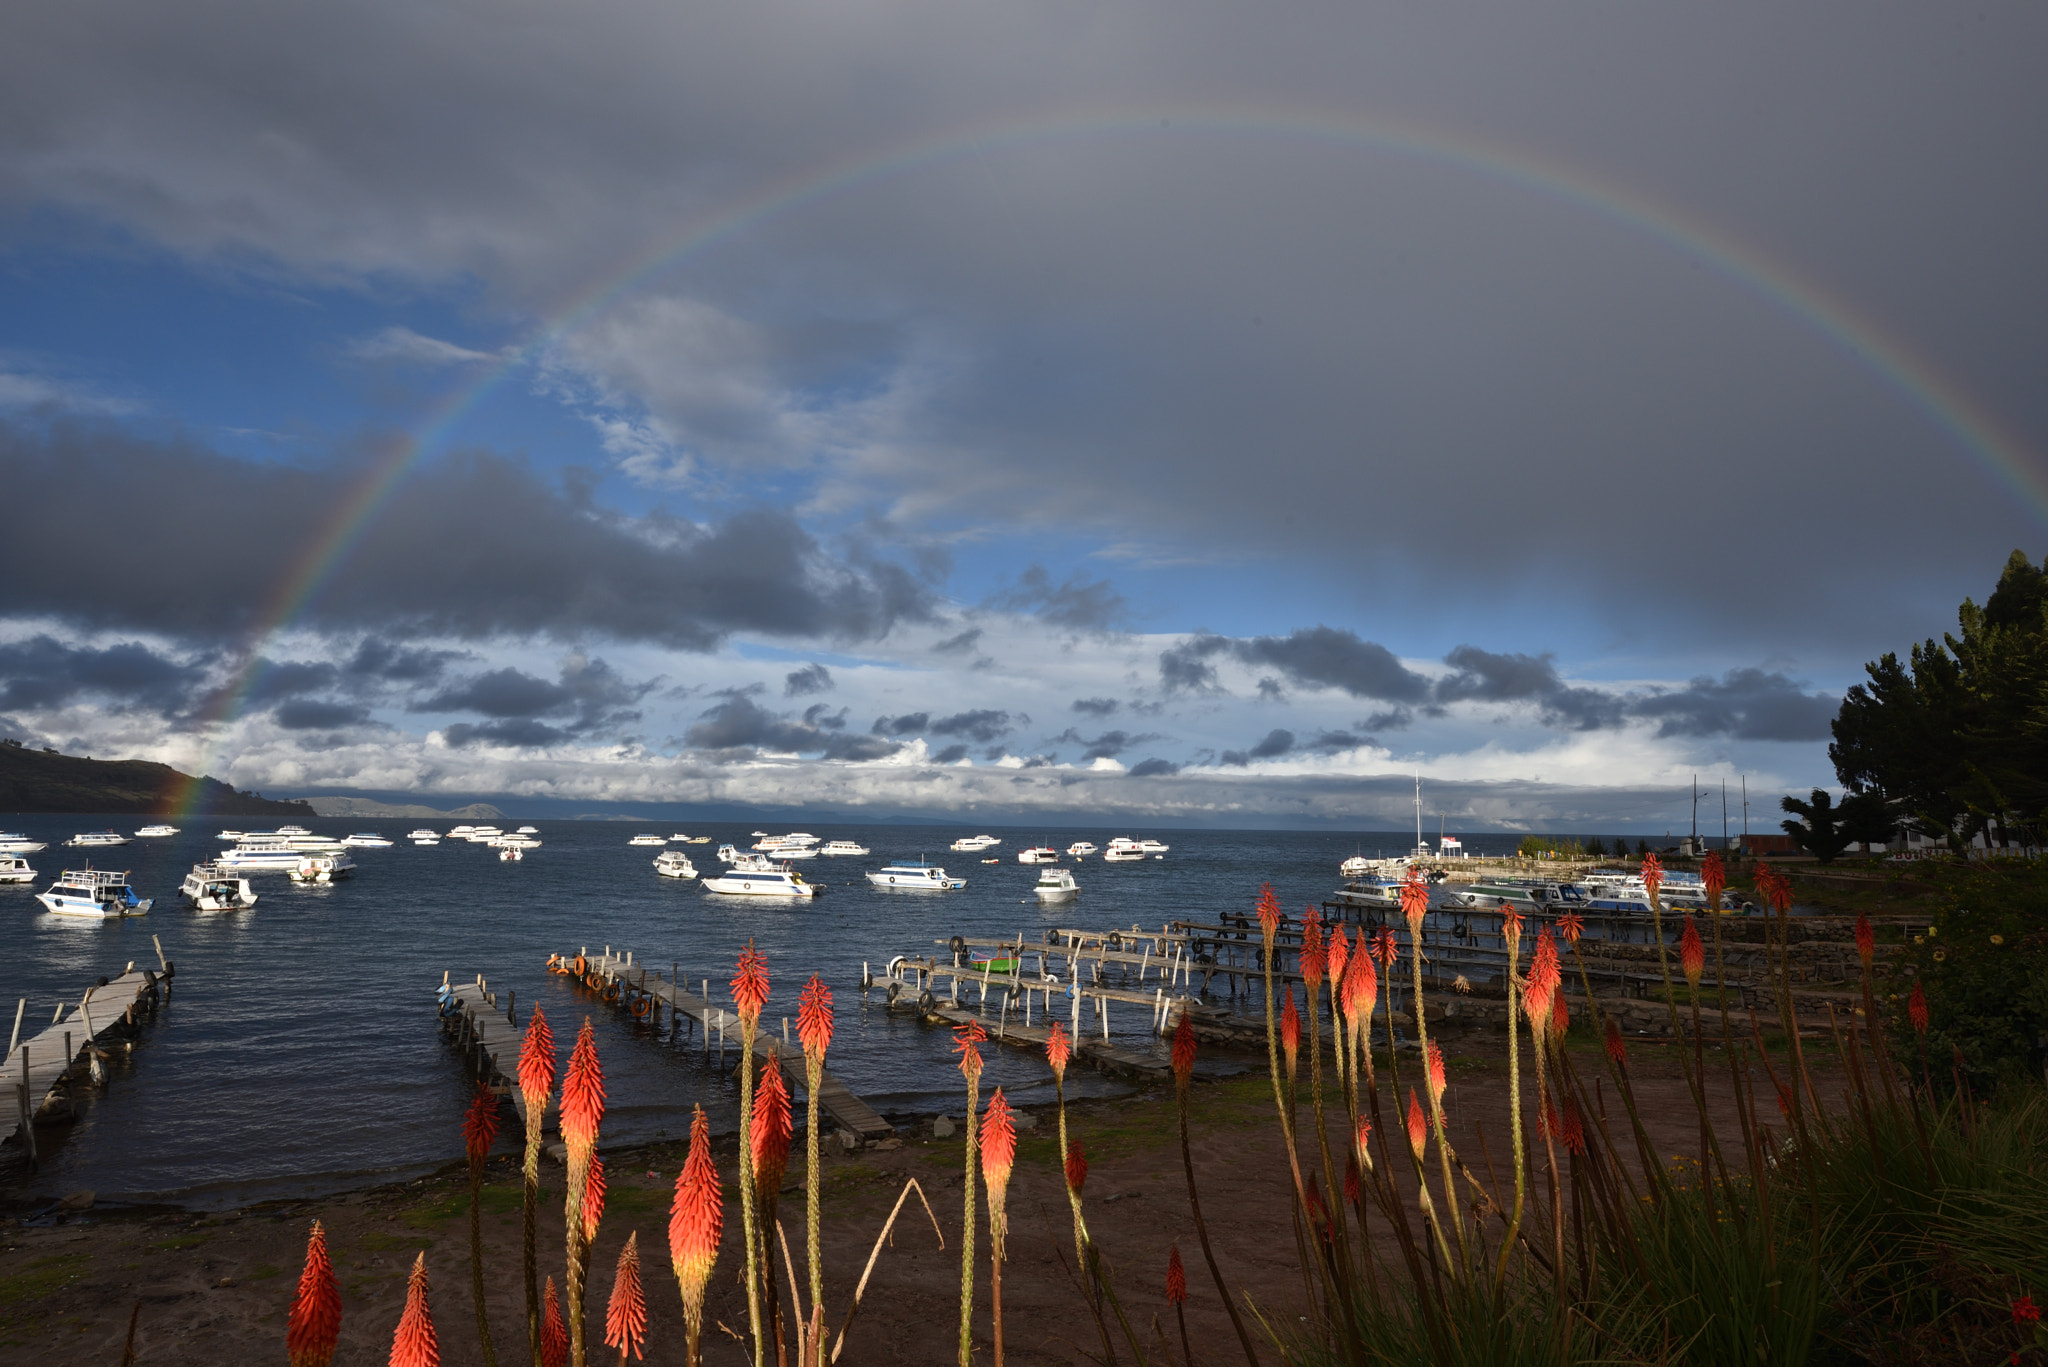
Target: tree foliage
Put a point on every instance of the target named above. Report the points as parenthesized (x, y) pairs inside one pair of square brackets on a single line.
[(1818, 829), (1954, 739)]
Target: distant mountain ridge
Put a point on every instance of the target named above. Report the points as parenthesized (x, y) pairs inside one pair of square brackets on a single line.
[(45, 781), (362, 806)]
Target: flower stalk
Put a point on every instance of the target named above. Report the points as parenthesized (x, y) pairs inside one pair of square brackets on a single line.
[(536, 1085)]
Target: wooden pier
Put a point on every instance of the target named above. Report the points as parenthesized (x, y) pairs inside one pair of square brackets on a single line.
[(645, 992), (41, 1067), (488, 1035)]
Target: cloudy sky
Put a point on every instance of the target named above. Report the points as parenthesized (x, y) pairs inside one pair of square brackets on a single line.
[(1209, 413)]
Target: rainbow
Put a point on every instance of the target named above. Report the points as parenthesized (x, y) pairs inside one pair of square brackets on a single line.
[(1944, 404)]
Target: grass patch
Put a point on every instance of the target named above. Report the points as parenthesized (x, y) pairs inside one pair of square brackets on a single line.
[(179, 1241), (41, 1277), (262, 1272), (379, 1242)]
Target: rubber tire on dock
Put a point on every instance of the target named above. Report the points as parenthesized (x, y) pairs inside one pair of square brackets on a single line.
[(926, 1002), (958, 944)]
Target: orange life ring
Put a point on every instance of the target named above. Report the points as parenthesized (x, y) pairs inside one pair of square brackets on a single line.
[(593, 982), (611, 992), (640, 1006), (582, 966)]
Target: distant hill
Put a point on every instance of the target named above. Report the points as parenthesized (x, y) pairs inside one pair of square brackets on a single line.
[(362, 806), (43, 781)]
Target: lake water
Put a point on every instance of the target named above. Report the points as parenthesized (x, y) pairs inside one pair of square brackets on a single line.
[(299, 1052)]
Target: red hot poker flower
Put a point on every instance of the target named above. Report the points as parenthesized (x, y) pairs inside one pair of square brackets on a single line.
[(314, 1326), (1574, 1130), (1354, 1183), (1269, 911), (1560, 1015), (625, 1318), (1058, 1049), (750, 985), (1077, 1167), (1339, 956), (1184, 1048), (1385, 947), (1417, 1130), (1866, 939), (414, 1344), (593, 1200), (1290, 1029), (1543, 980), (1414, 900), (537, 1062), (1616, 1049), (582, 1090), (697, 1217), (814, 1017), (1437, 1080), (554, 1335), (1510, 924), (2024, 1311), (998, 1153), (1364, 1134), (1714, 874), (772, 1128), (1176, 1277), (965, 1037), (1692, 955), (1653, 872), (1361, 990), (1571, 925), (480, 1124), (1313, 956), (1916, 1009)]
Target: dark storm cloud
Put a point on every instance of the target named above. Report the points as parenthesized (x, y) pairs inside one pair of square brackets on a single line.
[(378, 658), (1748, 704), (1108, 745), (513, 731), (1154, 768), (1393, 719), (982, 724), (311, 714), (1313, 657), (43, 672), (812, 678), (478, 545), (1095, 707), (1487, 677), (1277, 742), (963, 644), (739, 724), (587, 698), (1079, 604), (908, 724), (821, 715), (952, 754)]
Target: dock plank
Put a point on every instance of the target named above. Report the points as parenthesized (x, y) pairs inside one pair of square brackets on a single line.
[(40, 1061)]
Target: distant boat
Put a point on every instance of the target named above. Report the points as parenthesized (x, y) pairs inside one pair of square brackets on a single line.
[(845, 847), (1080, 848), (149, 832), (674, 864), (751, 882), (913, 875), (15, 869), (97, 894), (649, 840), (13, 842), (366, 840), (210, 887), (96, 839), (1038, 854), (1057, 885)]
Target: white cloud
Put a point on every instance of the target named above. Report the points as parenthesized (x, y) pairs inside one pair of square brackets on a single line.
[(403, 344)]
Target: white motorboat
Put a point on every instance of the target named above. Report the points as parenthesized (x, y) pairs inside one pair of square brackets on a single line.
[(1038, 854), (1057, 885), (915, 874), (839, 847), (459, 832), (515, 842), (275, 851), (97, 839), (1113, 855), (728, 855), (366, 840), (97, 894), (322, 869), (152, 832), (232, 835), (15, 869), (700, 840), (674, 864), (756, 882), (1122, 844), (423, 836), (975, 844), (650, 840), (1151, 846), (210, 887), (509, 854), (1080, 848), (13, 842), (527, 830), (1357, 866), (482, 835), (679, 839)]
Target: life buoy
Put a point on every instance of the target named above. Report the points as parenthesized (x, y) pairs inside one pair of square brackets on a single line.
[(926, 1002), (958, 944), (611, 992), (582, 966), (1116, 941), (640, 1006), (1052, 937)]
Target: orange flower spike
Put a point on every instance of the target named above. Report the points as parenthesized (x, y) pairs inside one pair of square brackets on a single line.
[(1866, 939), (1354, 1183), (1653, 872), (1364, 1135), (1385, 947), (537, 1061), (1176, 1277), (1184, 1048), (998, 1155), (750, 985), (965, 1037), (414, 1345), (480, 1124), (1560, 1015), (554, 1335), (1714, 874), (1058, 1049), (1414, 902), (1916, 1009), (1543, 979), (593, 1200), (1616, 1049), (625, 1318), (1077, 1167), (1571, 925), (314, 1326), (1574, 1127), (1692, 954), (582, 1091), (1418, 1129), (1339, 956), (1361, 990), (1510, 924), (772, 1129), (1437, 1080), (1290, 1030), (1269, 910), (814, 1018), (697, 1216), (1314, 957)]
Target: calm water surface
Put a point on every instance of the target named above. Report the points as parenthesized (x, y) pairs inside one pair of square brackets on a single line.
[(299, 1052)]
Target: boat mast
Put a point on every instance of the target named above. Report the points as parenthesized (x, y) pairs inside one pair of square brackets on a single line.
[(1418, 811), (1695, 847)]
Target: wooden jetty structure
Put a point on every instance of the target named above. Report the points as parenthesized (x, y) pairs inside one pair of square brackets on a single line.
[(42, 1067), (645, 993), (488, 1035)]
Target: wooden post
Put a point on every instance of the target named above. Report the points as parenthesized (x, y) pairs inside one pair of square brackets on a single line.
[(15, 1038), (28, 1118), (162, 962), (512, 1006), (69, 1055)]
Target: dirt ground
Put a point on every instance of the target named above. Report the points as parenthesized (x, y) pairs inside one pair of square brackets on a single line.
[(215, 1289)]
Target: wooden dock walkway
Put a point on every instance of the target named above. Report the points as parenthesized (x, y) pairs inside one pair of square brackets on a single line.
[(639, 984), (914, 984), (39, 1068), (489, 1037)]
